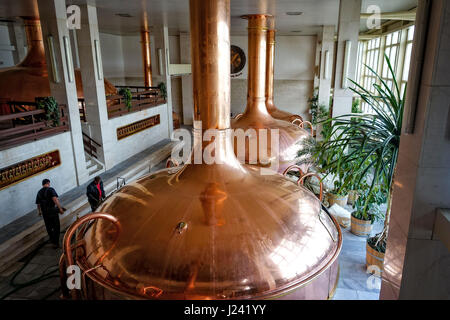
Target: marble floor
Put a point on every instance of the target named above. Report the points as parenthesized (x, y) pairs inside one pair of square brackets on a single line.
[(354, 283)]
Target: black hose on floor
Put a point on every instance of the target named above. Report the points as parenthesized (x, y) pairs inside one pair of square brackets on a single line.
[(44, 276)]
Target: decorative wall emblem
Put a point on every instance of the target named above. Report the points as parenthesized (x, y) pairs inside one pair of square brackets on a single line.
[(238, 61), (28, 168), (137, 126)]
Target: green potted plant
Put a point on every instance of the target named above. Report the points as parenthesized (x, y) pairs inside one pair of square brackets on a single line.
[(319, 113), (367, 210), (127, 96), (51, 108), (372, 139), (162, 88)]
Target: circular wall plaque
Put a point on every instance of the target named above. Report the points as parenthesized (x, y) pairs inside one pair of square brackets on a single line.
[(238, 60)]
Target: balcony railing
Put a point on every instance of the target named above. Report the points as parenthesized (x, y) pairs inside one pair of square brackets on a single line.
[(142, 98), (25, 126)]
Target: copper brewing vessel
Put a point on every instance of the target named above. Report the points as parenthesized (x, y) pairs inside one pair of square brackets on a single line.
[(271, 108), (256, 115), (199, 231), (29, 79)]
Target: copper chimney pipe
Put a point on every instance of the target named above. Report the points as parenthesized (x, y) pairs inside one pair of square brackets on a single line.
[(209, 231), (271, 108), (257, 37), (210, 52), (256, 115), (146, 58)]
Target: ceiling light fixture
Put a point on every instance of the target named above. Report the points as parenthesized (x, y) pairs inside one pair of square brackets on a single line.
[(294, 13), (124, 15)]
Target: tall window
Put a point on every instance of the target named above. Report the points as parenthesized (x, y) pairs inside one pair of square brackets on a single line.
[(391, 49), (407, 61), (397, 46)]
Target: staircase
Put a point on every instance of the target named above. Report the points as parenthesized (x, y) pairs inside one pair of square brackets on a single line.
[(93, 166)]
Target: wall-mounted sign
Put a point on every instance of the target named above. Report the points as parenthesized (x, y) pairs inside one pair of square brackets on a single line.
[(238, 61), (28, 168), (137, 126)]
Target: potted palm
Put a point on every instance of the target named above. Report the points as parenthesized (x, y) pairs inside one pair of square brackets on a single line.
[(373, 140)]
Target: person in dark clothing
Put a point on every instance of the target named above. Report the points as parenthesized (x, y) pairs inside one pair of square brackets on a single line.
[(95, 193), (48, 207)]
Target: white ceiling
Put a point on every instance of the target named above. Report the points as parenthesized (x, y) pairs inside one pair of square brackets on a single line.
[(175, 13)]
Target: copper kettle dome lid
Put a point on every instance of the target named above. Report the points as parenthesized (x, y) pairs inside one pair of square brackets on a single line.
[(200, 231), (212, 232), (29, 79)]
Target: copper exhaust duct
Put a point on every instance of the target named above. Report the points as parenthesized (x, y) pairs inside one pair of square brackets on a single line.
[(256, 115), (146, 58), (29, 79), (198, 231), (271, 108)]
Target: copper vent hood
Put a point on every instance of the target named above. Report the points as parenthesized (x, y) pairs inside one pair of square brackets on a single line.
[(199, 231), (271, 108), (256, 115), (29, 79)]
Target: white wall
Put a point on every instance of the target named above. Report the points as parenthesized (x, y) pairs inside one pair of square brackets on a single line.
[(120, 150), (293, 78), (18, 199), (112, 57), (294, 70)]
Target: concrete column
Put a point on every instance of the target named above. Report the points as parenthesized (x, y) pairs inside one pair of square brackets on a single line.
[(348, 30), (93, 83), (326, 67), (18, 40), (53, 22), (186, 80), (161, 36), (74, 43), (417, 263)]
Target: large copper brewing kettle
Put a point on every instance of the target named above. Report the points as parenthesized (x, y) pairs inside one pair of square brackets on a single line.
[(29, 79), (256, 115), (199, 231)]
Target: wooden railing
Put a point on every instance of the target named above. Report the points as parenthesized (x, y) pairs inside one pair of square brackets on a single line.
[(82, 109), (90, 146), (21, 106), (136, 89), (26, 126), (142, 98)]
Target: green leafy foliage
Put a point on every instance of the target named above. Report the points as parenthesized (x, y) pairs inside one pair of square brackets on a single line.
[(318, 111), (127, 96), (163, 89), (306, 151), (51, 108), (356, 106), (377, 245), (370, 142), (368, 203)]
